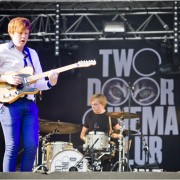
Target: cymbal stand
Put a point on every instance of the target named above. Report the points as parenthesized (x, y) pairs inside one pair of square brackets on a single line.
[(121, 154), (36, 162), (146, 150), (43, 166)]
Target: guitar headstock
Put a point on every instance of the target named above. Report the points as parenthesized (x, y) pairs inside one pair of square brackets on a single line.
[(86, 63)]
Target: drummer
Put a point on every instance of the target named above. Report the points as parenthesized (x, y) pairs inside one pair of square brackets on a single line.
[(97, 119)]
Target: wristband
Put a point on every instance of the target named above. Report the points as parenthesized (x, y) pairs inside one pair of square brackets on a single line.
[(49, 84)]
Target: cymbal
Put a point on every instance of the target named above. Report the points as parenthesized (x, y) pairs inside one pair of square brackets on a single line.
[(125, 132), (123, 115), (58, 127)]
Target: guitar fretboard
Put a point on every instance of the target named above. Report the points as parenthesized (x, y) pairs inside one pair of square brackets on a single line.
[(45, 74)]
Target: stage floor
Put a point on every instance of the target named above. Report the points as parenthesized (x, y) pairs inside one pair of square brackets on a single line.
[(92, 175)]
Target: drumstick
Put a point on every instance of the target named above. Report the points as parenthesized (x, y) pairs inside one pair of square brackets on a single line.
[(110, 125)]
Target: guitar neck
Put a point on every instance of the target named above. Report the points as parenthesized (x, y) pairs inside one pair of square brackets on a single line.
[(45, 74)]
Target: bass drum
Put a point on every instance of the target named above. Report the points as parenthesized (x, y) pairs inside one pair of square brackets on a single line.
[(69, 160), (52, 148)]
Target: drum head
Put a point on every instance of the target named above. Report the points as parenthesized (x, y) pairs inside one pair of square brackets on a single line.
[(99, 141), (67, 159)]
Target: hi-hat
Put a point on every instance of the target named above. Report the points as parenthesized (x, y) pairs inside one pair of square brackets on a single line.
[(58, 127), (123, 115), (125, 132)]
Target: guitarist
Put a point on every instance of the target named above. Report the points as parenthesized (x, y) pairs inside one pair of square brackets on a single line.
[(20, 118)]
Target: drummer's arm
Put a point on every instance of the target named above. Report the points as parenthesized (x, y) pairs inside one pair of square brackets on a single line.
[(116, 135), (83, 133)]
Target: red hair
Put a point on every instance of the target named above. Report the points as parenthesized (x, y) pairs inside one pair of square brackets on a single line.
[(19, 24)]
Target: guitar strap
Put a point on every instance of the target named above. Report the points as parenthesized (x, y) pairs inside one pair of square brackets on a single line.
[(26, 49)]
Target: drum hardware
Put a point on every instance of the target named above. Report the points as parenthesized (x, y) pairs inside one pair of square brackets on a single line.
[(125, 132), (36, 162), (131, 92), (49, 151), (97, 165), (146, 149), (43, 166), (43, 169), (126, 115), (77, 165), (52, 149), (103, 148), (95, 157), (122, 148), (90, 150), (122, 159), (101, 154)]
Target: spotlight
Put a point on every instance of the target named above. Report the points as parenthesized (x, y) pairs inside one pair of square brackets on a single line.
[(114, 27)]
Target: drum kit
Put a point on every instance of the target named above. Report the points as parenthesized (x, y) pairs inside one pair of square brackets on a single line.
[(62, 156)]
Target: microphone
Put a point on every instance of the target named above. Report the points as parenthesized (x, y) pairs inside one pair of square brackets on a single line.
[(95, 127), (131, 87)]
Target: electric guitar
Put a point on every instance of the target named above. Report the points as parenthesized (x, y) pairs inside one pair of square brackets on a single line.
[(10, 93)]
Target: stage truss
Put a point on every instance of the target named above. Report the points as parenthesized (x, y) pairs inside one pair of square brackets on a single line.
[(83, 20)]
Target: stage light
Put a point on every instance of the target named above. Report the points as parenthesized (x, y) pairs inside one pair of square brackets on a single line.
[(114, 27), (176, 28), (173, 67), (57, 29)]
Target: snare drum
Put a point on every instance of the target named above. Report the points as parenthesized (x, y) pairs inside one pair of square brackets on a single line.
[(52, 148), (100, 139)]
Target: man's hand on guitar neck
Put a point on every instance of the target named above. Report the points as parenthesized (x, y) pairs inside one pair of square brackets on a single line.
[(11, 79)]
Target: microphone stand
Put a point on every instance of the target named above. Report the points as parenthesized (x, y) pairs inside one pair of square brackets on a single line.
[(146, 149), (131, 88)]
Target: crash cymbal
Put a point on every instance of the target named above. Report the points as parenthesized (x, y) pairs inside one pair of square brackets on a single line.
[(123, 115), (125, 132), (58, 127)]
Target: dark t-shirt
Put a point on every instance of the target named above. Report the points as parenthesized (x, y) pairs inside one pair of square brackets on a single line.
[(99, 122)]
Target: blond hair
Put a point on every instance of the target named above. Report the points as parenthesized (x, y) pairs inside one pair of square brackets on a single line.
[(100, 97), (18, 24)]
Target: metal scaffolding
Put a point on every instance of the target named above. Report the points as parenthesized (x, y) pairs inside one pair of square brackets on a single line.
[(83, 20)]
